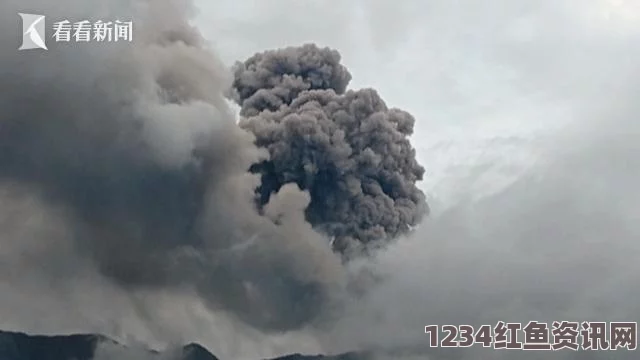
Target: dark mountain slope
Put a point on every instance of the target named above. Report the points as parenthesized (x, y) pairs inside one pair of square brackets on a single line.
[(19, 346)]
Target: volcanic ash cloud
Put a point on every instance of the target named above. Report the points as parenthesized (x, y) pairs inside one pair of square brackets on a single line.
[(346, 148)]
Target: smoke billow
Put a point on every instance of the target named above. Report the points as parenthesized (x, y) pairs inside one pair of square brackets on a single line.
[(136, 148), (346, 148), (127, 190)]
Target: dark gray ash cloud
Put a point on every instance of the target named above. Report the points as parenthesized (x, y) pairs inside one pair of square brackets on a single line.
[(127, 160), (136, 144), (347, 148)]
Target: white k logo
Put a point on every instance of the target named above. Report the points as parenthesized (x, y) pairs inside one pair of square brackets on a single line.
[(33, 32)]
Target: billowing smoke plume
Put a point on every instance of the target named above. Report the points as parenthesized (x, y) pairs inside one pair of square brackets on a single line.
[(136, 144), (124, 158), (347, 149)]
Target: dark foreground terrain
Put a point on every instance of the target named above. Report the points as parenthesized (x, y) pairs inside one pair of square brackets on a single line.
[(19, 346)]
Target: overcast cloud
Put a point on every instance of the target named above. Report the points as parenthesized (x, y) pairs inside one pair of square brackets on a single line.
[(526, 115), (526, 123)]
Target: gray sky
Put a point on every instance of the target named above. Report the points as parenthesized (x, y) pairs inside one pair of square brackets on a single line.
[(538, 94), (480, 77), (527, 125)]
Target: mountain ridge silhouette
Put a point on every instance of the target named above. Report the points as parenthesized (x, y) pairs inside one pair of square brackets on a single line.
[(22, 346)]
